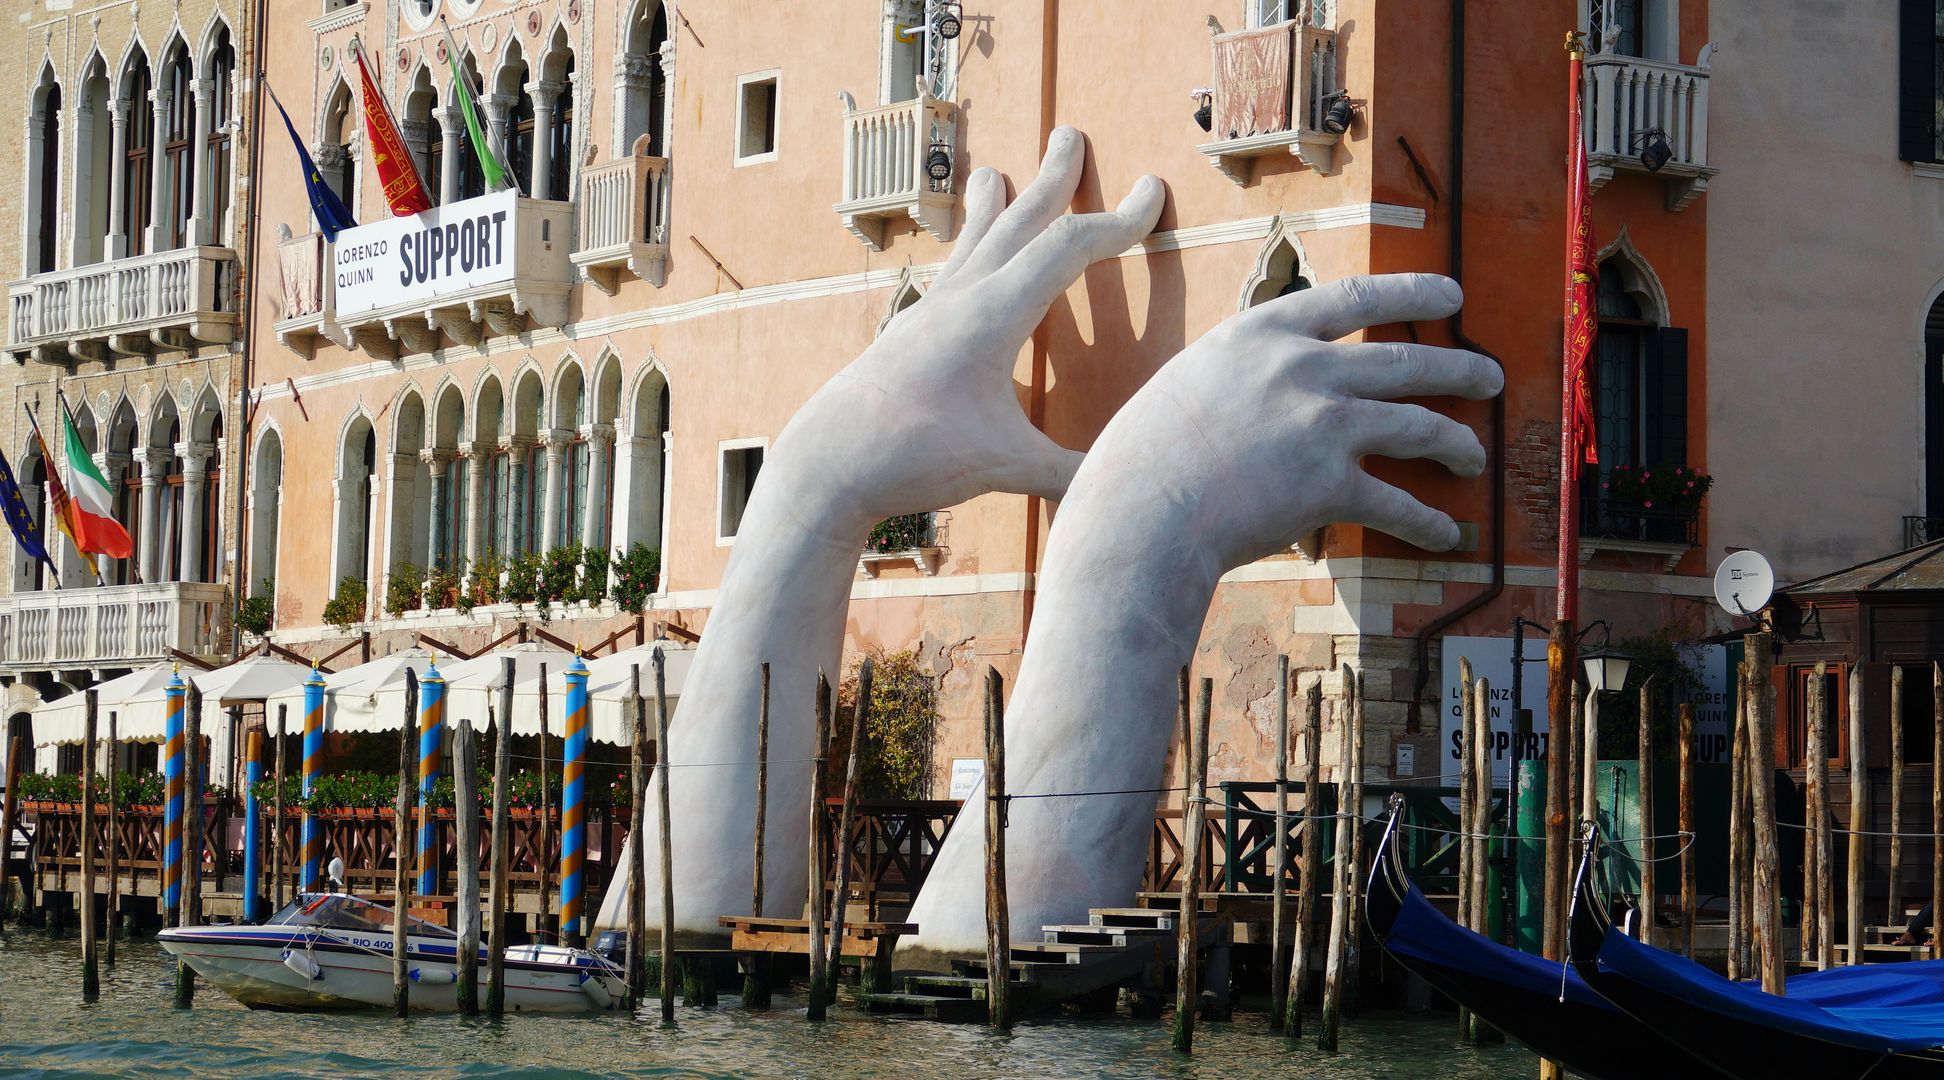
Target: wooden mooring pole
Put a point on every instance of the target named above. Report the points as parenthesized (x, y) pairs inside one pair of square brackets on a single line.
[(1937, 806), (637, 955), (1467, 808), (756, 977), (465, 799), (1481, 833), (1813, 900), (1687, 829), (502, 825), (998, 917), (1894, 913), (1768, 860), (112, 924), (90, 971), (1823, 832), (9, 819), (1644, 780), (816, 856), (1859, 823), (663, 764), (846, 820), (1278, 889), (1353, 941), (402, 843), (1561, 647), (194, 762), (1343, 879), (1738, 834), (1194, 805), (1313, 825), (546, 856)]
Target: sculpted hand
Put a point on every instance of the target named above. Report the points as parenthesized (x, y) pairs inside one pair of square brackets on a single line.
[(932, 399), (1247, 440)]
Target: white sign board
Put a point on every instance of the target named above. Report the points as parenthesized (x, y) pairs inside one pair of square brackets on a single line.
[(1491, 659), (412, 260), (966, 774)]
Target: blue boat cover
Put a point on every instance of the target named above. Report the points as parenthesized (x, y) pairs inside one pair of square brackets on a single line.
[(1883, 1008), (1903, 1003)]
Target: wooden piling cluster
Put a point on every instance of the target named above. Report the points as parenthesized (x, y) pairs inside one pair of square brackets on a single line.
[(502, 800), (1194, 805), (817, 958), (998, 918), (1307, 897), (1343, 907), (663, 764), (847, 817), (1467, 813), (1279, 868)]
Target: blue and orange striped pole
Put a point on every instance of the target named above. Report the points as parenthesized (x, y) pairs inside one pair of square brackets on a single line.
[(172, 798), (431, 726), (573, 812), (312, 843)]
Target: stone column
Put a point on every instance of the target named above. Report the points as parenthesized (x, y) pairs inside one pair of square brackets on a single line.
[(401, 482), (475, 455), (598, 437), (331, 159), (155, 464), (439, 464), (417, 135), (626, 503), (544, 94), (516, 447), (451, 128), (83, 141), (199, 230), (158, 227), (631, 86), (499, 111), (555, 441), (115, 244), (195, 483), (30, 251), (667, 102)]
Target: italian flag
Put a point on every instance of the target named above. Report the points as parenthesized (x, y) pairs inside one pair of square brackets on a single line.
[(86, 515)]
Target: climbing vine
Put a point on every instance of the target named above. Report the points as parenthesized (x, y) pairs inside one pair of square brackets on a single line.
[(898, 733)]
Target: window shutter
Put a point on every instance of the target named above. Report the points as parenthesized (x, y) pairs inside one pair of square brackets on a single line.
[(1916, 80), (1663, 388)]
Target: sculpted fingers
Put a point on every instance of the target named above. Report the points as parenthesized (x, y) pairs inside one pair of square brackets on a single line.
[(1393, 510), (1050, 264), (1044, 200), (985, 197), (1347, 305), (1399, 369), (1413, 431)]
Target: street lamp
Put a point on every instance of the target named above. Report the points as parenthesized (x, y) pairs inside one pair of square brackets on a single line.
[(1606, 671)]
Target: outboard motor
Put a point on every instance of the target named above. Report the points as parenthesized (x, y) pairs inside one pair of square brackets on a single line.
[(612, 946)]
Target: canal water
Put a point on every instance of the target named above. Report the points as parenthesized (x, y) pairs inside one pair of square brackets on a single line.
[(45, 1031)]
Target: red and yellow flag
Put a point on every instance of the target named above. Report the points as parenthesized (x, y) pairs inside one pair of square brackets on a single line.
[(1582, 283), (404, 189)]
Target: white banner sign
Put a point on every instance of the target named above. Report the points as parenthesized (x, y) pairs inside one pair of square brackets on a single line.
[(1491, 660), (966, 774), (411, 260)]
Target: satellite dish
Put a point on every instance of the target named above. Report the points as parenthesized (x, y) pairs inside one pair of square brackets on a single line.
[(1743, 583)]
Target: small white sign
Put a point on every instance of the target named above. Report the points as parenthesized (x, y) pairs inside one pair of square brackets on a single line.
[(1406, 760), (966, 774)]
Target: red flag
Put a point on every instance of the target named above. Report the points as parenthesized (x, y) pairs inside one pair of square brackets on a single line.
[(404, 190), (1582, 278)]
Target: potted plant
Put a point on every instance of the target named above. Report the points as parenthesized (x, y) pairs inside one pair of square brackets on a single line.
[(1655, 503), (346, 608), (404, 589), (441, 588), (255, 614), (522, 578), (637, 574), (483, 581)]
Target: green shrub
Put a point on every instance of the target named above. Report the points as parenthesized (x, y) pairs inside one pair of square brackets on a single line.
[(255, 614), (901, 533), (560, 576), (346, 609), (404, 589), (594, 575), (897, 752), (523, 578), (637, 574), (442, 590), (484, 587)]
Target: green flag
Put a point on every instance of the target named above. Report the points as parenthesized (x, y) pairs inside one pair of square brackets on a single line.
[(489, 163)]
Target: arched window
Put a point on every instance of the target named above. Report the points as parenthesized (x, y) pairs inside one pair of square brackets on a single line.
[(334, 158), (510, 86), (137, 164), (94, 166), (472, 178), (266, 493), (120, 464), (642, 83), (488, 415), (574, 461), (1639, 385), (178, 151), (560, 149), (648, 470), (44, 202), (1933, 423), (528, 481), (421, 133), (217, 155), (357, 461)]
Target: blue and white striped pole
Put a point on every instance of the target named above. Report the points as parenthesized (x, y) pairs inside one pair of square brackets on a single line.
[(573, 812), (313, 839), (431, 726), (252, 831), (172, 799)]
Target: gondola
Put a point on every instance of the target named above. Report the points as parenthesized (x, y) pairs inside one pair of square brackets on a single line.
[(1881, 1022), (1540, 1003)]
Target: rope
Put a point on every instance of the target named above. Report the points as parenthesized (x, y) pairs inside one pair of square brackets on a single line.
[(1866, 832)]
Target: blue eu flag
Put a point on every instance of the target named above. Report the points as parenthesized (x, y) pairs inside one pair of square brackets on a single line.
[(332, 217), (19, 519)]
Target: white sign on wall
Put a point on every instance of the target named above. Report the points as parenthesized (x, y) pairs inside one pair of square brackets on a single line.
[(1491, 659), (966, 774), (411, 260)]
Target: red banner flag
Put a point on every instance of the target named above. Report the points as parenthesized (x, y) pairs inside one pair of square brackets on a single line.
[(404, 190), (1582, 279)]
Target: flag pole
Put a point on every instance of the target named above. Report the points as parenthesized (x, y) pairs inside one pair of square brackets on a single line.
[(494, 145), (360, 54)]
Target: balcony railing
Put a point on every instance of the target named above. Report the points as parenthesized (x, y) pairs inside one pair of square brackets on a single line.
[(165, 300), (885, 152), (112, 626), (492, 265), (624, 220), (1272, 89), (1920, 530), (1628, 99)]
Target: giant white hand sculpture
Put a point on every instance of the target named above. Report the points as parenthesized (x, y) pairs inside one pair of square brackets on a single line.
[(1248, 439), (926, 417)]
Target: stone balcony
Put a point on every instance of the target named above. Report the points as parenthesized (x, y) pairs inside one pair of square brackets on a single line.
[(173, 299), (624, 220), (490, 266), (1272, 91), (112, 626), (1627, 100), (885, 178)]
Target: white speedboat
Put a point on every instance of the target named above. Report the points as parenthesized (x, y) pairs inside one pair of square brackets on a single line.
[(334, 951)]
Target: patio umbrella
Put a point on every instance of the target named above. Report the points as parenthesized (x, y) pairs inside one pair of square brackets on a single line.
[(253, 680), (369, 697), (610, 690), (471, 685), (137, 698)]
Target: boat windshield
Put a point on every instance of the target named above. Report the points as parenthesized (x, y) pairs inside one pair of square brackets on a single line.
[(339, 912)]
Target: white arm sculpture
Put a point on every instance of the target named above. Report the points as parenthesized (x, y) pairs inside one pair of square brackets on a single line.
[(1249, 438), (926, 417)]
